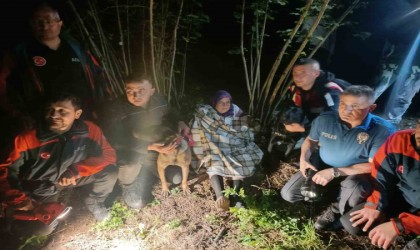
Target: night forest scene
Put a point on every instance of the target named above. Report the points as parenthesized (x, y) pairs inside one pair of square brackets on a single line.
[(184, 124)]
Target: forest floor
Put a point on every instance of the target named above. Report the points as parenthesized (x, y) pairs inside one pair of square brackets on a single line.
[(187, 221)]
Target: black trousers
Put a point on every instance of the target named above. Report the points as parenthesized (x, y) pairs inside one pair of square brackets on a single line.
[(397, 206), (97, 186)]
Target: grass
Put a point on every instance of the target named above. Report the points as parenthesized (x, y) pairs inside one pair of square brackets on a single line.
[(174, 223), (267, 224), (175, 191), (119, 214), (34, 242)]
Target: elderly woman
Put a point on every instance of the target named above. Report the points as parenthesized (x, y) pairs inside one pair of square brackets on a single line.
[(224, 145)]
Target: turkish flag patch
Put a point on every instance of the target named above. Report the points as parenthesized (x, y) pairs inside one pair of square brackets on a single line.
[(400, 169), (39, 61), (45, 155)]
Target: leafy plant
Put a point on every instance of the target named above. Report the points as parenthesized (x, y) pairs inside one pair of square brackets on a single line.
[(316, 21), (118, 215), (175, 191), (268, 224), (155, 202), (147, 35), (174, 223), (34, 242)]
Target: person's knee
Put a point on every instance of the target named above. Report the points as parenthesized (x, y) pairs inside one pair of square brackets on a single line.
[(104, 181), (348, 225), (291, 190), (110, 173), (287, 195), (359, 187), (354, 200), (127, 174)]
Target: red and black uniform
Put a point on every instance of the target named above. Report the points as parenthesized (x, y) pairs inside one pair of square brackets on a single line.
[(40, 157), (396, 169), (32, 70), (323, 96)]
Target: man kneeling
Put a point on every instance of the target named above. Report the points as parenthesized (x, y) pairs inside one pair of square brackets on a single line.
[(394, 207), (62, 152), (347, 141)]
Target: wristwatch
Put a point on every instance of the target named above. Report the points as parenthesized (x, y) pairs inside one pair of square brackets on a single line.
[(336, 173)]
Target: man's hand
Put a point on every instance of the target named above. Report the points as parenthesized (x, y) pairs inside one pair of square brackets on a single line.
[(383, 235), (67, 178), (294, 127), (323, 177), (364, 215), (27, 207), (162, 148), (304, 165)]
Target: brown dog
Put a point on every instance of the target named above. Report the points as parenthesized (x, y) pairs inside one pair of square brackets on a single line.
[(181, 156)]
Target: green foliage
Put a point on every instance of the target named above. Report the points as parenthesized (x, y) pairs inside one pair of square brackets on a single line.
[(231, 191), (260, 21), (119, 214), (155, 202), (193, 23), (268, 224), (175, 191), (34, 242), (174, 223)]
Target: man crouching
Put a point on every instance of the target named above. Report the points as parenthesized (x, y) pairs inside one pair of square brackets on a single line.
[(62, 152)]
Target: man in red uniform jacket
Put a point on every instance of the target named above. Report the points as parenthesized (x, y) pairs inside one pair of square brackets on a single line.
[(63, 152), (394, 206)]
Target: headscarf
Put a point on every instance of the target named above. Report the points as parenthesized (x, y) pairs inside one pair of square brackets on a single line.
[(220, 94)]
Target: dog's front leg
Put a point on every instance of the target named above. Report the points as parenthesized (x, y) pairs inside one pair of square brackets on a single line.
[(161, 172)]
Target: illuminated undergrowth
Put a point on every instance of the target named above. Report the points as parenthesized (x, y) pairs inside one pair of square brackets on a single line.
[(267, 223)]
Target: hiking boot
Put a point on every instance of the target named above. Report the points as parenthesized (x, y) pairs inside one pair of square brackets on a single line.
[(329, 219), (222, 203), (133, 199), (97, 208), (413, 245)]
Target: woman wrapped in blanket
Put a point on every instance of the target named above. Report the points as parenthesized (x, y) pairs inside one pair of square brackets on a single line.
[(223, 146)]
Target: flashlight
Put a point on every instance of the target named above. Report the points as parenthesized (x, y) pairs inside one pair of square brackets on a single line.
[(309, 188)]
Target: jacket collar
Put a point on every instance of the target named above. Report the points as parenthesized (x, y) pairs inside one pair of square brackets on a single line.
[(366, 122), (78, 128), (365, 125)]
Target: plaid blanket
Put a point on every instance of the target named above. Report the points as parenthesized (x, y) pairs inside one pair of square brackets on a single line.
[(223, 145)]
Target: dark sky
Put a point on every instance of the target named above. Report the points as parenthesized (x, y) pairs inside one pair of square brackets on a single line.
[(12, 22), (355, 60)]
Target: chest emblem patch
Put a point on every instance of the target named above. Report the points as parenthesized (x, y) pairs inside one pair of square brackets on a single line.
[(400, 169), (39, 61), (45, 155), (362, 137)]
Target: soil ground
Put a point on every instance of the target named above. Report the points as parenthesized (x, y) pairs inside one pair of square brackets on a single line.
[(180, 221)]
